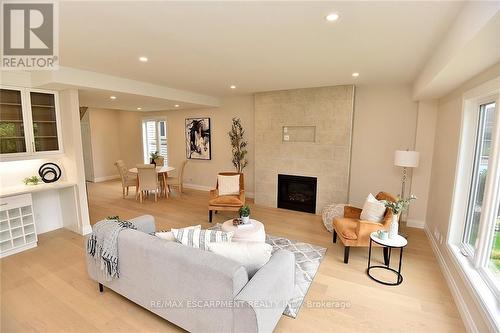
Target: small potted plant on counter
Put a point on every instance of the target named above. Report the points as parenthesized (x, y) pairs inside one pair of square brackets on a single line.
[(245, 214)]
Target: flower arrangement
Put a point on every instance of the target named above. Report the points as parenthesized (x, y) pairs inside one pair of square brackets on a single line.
[(400, 205)]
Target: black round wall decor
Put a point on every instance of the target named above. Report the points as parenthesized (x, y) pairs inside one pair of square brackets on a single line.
[(49, 172)]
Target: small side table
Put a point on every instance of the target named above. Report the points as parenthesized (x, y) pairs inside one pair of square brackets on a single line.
[(398, 242)]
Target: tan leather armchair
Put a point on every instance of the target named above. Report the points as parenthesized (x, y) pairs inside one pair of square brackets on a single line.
[(353, 231), (218, 202)]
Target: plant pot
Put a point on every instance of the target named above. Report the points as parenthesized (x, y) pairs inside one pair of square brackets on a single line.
[(245, 219), (159, 161), (394, 227)]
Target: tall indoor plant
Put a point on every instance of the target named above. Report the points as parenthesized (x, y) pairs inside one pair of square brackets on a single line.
[(238, 144)]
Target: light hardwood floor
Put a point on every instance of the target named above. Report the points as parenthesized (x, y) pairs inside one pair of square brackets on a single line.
[(47, 289)]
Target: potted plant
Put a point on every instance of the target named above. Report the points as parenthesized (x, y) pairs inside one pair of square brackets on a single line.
[(238, 145), (245, 214), (397, 207), (153, 157)]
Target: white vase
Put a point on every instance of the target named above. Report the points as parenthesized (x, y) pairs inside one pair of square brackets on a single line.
[(245, 219), (394, 227)]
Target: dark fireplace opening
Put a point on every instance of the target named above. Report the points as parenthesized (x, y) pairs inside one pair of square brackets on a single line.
[(297, 193)]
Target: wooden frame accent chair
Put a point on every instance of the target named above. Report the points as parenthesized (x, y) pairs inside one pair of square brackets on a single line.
[(353, 231), (127, 178), (233, 203)]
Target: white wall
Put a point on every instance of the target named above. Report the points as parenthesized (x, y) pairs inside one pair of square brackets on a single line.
[(384, 121), (105, 140), (201, 174), (441, 192)]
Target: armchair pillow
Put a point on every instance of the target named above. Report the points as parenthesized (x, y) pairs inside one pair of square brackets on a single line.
[(169, 235), (201, 238), (373, 210), (251, 255), (229, 185)]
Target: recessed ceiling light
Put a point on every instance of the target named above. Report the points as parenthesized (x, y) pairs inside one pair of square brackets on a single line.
[(176, 105), (332, 17), (143, 59), (112, 97), (232, 86), (355, 74), (139, 109)]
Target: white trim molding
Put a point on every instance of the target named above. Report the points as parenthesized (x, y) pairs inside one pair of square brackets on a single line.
[(463, 309), (106, 178), (415, 223)]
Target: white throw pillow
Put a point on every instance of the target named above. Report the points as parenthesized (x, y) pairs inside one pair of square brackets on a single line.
[(373, 210), (229, 185), (251, 255), (201, 238), (169, 235)]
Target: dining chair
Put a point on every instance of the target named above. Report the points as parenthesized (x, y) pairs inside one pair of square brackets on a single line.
[(127, 178), (177, 182), (148, 180)]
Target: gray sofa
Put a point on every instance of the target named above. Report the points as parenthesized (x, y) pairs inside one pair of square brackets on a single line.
[(195, 289)]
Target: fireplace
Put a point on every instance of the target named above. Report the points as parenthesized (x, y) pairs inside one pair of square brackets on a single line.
[(297, 193)]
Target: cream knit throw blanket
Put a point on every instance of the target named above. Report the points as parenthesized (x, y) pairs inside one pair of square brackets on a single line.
[(102, 245)]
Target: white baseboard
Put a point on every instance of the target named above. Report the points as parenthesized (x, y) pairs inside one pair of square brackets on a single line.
[(415, 223), (208, 188), (455, 292), (105, 178)]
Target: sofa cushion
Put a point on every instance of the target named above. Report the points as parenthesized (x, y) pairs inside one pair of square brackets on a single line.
[(373, 209), (226, 200), (251, 255), (201, 238), (169, 235), (346, 227), (228, 185)]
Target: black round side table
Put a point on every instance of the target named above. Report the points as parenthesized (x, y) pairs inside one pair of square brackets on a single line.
[(397, 242)]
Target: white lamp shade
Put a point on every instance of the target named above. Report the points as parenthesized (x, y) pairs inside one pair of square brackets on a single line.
[(405, 158)]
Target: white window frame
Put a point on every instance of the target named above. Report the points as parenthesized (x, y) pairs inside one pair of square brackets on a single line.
[(144, 141), (473, 266)]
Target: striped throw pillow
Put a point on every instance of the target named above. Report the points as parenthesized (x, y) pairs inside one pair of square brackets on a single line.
[(201, 238)]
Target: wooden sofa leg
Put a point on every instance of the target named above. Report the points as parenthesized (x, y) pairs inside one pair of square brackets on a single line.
[(386, 256), (346, 254), (101, 288), (210, 216), (334, 236)]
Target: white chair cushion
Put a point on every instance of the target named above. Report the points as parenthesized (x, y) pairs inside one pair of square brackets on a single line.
[(201, 238), (251, 255), (373, 210), (169, 235), (229, 185)]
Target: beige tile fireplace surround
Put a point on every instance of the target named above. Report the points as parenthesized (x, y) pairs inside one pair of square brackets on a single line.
[(330, 111)]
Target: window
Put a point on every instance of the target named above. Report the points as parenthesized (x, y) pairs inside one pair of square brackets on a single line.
[(481, 233), (154, 136)]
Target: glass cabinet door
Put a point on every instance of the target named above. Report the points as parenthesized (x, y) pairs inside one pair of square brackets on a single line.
[(12, 136), (43, 113)]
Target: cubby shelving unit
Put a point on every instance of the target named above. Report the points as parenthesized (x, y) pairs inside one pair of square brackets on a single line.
[(17, 224)]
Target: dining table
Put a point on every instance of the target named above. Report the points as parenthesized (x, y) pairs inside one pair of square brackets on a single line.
[(163, 174)]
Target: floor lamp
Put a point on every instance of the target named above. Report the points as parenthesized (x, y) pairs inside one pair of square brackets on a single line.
[(405, 159)]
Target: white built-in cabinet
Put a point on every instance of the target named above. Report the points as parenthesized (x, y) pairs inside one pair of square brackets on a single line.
[(29, 122), (17, 224)]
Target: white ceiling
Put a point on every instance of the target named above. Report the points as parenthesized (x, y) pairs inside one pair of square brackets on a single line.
[(258, 46), (95, 98)]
